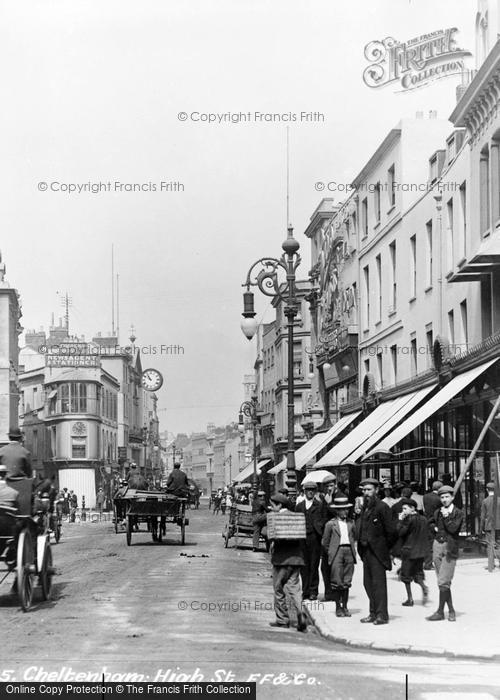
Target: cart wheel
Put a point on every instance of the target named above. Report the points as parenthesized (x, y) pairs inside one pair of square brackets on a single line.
[(25, 569), (45, 578), (129, 530)]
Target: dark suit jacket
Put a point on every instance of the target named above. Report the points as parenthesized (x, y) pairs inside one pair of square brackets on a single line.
[(487, 514), (17, 460), (316, 516), (177, 482), (451, 526), (413, 532), (287, 553), (331, 538), (431, 502), (376, 529)]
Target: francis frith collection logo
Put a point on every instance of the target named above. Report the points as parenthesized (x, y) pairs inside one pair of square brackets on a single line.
[(414, 63)]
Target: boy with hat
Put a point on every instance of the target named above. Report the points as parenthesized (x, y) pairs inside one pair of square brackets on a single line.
[(446, 523), (287, 560), (338, 542), (413, 533)]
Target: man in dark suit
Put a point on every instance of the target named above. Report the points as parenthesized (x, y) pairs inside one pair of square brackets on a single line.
[(431, 503), (316, 517), (259, 518), (376, 532), (15, 457), (177, 482), (488, 526)]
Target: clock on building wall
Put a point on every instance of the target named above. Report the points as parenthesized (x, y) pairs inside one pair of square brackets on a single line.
[(151, 380), (79, 428)]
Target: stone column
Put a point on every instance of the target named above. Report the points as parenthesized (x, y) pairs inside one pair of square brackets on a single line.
[(10, 313)]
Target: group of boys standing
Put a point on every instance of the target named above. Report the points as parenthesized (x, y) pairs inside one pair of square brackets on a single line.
[(380, 532)]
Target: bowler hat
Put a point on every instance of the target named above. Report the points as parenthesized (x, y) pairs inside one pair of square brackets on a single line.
[(279, 498), (490, 485), (15, 433), (369, 482), (445, 489), (340, 502)]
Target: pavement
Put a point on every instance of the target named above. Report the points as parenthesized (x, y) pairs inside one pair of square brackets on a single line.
[(473, 635)]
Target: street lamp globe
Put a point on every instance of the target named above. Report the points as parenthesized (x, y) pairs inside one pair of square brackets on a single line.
[(249, 327)]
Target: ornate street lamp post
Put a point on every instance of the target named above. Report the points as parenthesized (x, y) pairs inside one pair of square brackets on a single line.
[(250, 410), (266, 279)]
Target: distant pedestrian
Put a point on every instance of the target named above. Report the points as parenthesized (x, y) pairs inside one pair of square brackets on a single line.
[(413, 533), (338, 542), (287, 559), (259, 518), (375, 534), (73, 505), (388, 498), (489, 527), (416, 496), (99, 499), (446, 522)]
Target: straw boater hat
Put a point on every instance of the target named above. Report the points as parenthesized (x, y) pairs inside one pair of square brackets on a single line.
[(340, 502)]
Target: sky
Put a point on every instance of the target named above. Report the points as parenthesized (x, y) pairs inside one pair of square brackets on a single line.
[(92, 93)]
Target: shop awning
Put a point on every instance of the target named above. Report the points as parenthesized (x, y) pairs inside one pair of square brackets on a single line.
[(484, 261), (374, 426), (317, 443), (404, 407), (455, 386), (248, 471)]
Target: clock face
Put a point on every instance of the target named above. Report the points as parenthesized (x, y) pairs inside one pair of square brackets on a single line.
[(79, 428), (151, 380)]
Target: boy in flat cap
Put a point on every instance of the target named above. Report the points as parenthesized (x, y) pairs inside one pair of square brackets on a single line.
[(446, 522), (338, 542), (287, 560), (413, 533)]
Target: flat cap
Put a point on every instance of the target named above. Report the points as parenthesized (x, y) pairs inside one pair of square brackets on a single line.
[(490, 485), (409, 502), (445, 489), (370, 481), (279, 498), (436, 485), (261, 493)]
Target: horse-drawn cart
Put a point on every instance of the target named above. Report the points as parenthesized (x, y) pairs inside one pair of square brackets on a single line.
[(25, 547), (155, 509)]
